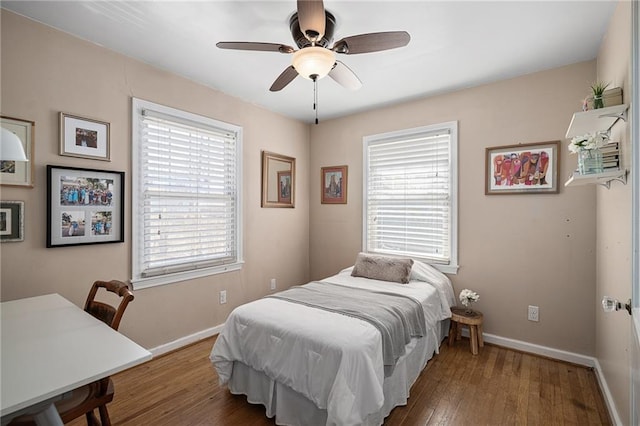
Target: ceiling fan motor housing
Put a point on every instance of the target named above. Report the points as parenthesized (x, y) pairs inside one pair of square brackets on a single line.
[(301, 40)]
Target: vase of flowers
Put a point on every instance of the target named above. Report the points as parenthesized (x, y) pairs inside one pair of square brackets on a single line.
[(467, 297), (588, 149), (598, 89), (590, 161)]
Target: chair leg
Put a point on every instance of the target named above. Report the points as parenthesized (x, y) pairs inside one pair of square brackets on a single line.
[(92, 420), (104, 415)]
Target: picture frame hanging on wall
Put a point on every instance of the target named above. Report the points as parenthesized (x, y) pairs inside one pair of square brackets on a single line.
[(334, 185), (84, 137), (84, 206), (284, 186), (522, 168), (11, 221), (19, 173)]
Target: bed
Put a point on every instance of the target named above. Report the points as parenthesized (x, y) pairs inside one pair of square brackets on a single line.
[(314, 366)]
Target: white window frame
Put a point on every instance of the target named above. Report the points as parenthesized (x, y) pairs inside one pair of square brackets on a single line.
[(452, 127), (138, 281)]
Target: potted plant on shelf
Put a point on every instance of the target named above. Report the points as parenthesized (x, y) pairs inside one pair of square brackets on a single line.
[(598, 89)]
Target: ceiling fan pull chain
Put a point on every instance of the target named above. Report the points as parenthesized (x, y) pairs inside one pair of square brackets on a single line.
[(315, 95)]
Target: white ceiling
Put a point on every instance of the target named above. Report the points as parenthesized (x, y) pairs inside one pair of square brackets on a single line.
[(454, 44)]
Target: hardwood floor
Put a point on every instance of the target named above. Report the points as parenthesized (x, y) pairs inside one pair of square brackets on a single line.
[(497, 387)]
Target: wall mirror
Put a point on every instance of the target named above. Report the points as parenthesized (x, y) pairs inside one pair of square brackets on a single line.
[(278, 180)]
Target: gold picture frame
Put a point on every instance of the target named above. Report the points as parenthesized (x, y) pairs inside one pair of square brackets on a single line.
[(333, 185), (19, 173), (278, 180), (84, 137)]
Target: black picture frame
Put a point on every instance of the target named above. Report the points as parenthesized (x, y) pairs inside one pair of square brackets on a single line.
[(84, 206)]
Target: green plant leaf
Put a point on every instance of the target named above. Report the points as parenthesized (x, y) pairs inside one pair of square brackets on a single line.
[(598, 88)]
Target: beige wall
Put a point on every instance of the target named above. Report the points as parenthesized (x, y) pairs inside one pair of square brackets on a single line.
[(515, 250), (613, 331), (44, 72)]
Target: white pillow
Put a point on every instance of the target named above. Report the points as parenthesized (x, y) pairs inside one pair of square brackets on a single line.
[(424, 272)]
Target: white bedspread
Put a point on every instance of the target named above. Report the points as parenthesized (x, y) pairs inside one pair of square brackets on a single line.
[(333, 360)]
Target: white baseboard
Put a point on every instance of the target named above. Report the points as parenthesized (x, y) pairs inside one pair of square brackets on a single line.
[(587, 361), (558, 354), (608, 398), (186, 340)]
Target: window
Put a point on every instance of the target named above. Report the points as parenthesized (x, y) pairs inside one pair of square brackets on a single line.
[(186, 204), (410, 194)]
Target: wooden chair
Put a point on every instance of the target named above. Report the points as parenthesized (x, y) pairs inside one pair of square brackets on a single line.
[(86, 399)]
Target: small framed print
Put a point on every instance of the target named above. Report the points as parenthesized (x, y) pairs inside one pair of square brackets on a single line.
[(84, 137), (284, 186), (522, 169), (334, 185), (11, 221), (84, 206), (19, 173)]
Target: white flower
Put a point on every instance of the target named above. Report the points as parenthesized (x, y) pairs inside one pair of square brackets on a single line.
[(467, 297), (589, 141)]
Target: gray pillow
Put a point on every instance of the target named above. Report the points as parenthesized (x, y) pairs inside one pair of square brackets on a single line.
[(382, 268)]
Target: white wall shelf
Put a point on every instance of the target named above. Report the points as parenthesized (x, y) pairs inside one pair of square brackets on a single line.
[(603, 179), (596, 119)]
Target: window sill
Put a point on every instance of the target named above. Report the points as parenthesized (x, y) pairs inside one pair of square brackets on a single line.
[(446, 269), (142, 283)]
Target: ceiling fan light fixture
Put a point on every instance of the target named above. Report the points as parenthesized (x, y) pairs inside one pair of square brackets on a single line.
[(313, 61)]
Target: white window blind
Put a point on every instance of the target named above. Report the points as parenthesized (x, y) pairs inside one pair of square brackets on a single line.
[(410, 194), (187, 192)]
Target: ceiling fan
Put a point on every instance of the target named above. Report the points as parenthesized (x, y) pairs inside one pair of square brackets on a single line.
[(312, 30)]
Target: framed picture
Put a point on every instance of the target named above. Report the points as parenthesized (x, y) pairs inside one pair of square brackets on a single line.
[(19, 173), (333, 182), (11, 221), (522, 169), (84, 137), (284, 186), (84, 206)]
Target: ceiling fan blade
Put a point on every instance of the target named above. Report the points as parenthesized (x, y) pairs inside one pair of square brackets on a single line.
[(372, 42), (283, 79), (262, 47), (343, 75), (311, 19)]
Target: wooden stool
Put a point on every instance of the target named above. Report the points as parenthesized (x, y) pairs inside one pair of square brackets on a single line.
[(473, 319)]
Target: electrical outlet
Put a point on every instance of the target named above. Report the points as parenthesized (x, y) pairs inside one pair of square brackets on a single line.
[(533, 313), (223, 297), (273, 283)]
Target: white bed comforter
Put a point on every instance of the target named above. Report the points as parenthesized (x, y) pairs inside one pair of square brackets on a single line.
[(333, 360)]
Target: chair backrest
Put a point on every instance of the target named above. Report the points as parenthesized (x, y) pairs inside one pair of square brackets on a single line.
[(103, 311)]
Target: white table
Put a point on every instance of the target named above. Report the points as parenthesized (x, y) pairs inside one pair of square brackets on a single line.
[(49, 346)]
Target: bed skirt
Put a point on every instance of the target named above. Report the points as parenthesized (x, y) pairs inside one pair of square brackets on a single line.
[(290, 408)]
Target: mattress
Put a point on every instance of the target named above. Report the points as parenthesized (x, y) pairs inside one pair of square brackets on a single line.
[(309, 366)]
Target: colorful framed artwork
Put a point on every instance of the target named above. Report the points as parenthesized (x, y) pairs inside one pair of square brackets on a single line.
[(11, 221), (284, 186), (334, 185), (84, 137), (84, 206), (19, 173), (522, 169)]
